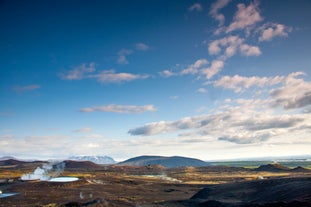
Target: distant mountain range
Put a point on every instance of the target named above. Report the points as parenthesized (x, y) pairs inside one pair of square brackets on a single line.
[(102, 160), (164, 161)]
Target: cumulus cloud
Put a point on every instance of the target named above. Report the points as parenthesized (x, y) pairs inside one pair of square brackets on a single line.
[(243, 125), (243, 118), (214, 69), (79, 72), (22, 89), (269, 31), (245, 17), (248, 50), (195, 7), (141, 46), (295, 93), (214, 11), (122, 56), (122, 109), (231, 45)]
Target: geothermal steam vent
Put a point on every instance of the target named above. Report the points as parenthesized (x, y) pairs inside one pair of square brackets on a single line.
[(49, 172)]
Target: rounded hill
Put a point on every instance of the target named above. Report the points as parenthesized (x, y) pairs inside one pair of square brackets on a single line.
[(169, 162)]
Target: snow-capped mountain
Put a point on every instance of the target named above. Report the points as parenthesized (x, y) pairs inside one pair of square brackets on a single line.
[(95, 159)]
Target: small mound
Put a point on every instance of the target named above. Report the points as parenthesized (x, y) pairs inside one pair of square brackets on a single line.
[(272, 168), (300, 169), (11, 162)]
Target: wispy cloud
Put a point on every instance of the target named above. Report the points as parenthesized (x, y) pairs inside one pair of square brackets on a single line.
[(122, 109), (201, 90), (88, 71), (6, 136), (124, 53), (167, 73), (79, 72), (201, 68), (241, 83), (142, 46), (83, 130), (214, 11), (195, 7), (22, 89), (122, 56), (195, 67), (110, 76)]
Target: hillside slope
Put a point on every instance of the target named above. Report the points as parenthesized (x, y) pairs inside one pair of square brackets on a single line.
[(170, 162)]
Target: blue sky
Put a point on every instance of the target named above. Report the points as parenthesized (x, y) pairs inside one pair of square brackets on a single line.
[(207, 79)]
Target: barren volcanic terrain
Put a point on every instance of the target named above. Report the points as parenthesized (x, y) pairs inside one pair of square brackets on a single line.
[(155, 185)]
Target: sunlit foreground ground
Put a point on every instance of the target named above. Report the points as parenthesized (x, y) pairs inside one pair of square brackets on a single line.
[(123, 185)]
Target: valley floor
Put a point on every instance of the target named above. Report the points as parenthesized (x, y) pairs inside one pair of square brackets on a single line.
[(151, 186)]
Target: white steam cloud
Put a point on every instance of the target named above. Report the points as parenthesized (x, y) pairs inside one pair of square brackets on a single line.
[(47, 172)]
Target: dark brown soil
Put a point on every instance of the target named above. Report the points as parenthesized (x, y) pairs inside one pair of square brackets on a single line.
[(155, 186)]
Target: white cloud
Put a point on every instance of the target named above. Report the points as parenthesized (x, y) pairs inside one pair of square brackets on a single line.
[(6, 136), (194, 68), (83, 130), (174, 97), (122, 56), (79, 72), (243, 119), (110, 76), (243, 125), (214, 11), (240, 83), (201, 90), (269, 31), (22, 89), (195, 7), (123, 109), (295, 93), (245, 17), (248, 50), (85, 71), (142, 46), (214, 69), (214, 48), (167, 73), (231, 45)]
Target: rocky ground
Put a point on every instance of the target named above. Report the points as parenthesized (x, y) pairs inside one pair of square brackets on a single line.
[(155, 186)]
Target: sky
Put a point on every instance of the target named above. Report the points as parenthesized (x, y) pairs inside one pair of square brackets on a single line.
[(222, 79)]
